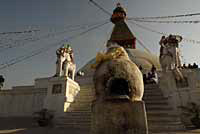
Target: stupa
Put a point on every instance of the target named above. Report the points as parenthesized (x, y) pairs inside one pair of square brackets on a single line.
[(122, 35)]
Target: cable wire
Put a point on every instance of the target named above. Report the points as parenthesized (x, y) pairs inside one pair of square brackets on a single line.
[(19, 32), (165, 17), (31, 40), (100, 7), (142, 44), (165, 34), (175, 22), (44, 49)]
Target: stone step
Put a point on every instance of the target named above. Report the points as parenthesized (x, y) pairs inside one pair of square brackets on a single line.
[(74, 125), (83, 110), (158, 114), (151, 86), (81, 103), (84, 100), (75, 116), (161, 124), (152, 89), (86, 88), (158, 109), (77, 105), (80, 96), (83, 97), (82, 107), (86, 91), (73, 121), (85, 94), (153, 93), (153, 99), (75, 113), (158, 106), (79, 109), (73, 130), (149, 92), (166, 120), (166, 128), (70, 120), (156, 103)]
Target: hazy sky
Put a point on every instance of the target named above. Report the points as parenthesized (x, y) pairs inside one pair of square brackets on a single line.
[(19, 15)]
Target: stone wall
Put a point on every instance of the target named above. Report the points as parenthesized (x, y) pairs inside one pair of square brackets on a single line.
[(181, 93), (60, 94), (21, 102)]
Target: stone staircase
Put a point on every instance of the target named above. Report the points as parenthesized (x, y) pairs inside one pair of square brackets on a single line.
[(160, 115), (78, 118)]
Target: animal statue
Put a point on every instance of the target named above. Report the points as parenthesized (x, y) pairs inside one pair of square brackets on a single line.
[(69, 66), (118, 107), (170, 53), (118, 67), (65, 62)]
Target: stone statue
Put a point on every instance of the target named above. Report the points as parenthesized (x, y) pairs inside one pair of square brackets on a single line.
[(170, 53), (65, 65), (119, 88)]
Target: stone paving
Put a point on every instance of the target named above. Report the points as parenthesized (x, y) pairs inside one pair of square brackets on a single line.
[(24, 125), (39, 130), (27, 126)]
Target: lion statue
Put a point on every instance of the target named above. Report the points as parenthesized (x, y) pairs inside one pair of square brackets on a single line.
[(118, 107)]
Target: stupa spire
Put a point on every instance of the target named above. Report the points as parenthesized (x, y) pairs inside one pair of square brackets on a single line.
[(121, 33)]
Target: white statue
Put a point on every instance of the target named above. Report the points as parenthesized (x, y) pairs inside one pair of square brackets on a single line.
[(170, 53), (65, 65)]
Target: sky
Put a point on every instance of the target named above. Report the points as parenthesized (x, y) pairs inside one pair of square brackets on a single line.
[(58, 15)]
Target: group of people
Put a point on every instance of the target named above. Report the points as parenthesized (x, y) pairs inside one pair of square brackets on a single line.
[(151, 77), (194, 66)]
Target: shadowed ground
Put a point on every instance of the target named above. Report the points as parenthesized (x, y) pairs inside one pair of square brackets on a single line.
[(26, 125)]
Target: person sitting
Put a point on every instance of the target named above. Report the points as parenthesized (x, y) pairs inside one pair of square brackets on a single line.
[(140, 67), (184, 66), (189, 66), (149, 76), (154, 77), (194, 66), (145, 78), (153, 68)]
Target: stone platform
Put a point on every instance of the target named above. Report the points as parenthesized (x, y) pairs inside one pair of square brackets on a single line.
[(25, 125)]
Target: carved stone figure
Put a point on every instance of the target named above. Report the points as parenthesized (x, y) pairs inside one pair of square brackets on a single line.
[(68, 66), (120, 68), (65, 65), (170, 53), (119, 88)]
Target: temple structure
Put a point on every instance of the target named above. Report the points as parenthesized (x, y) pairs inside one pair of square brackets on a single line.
[(71, 98), (121, 33)]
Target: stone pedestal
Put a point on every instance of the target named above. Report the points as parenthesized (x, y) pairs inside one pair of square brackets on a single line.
[(60, 93), (119, 117)]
